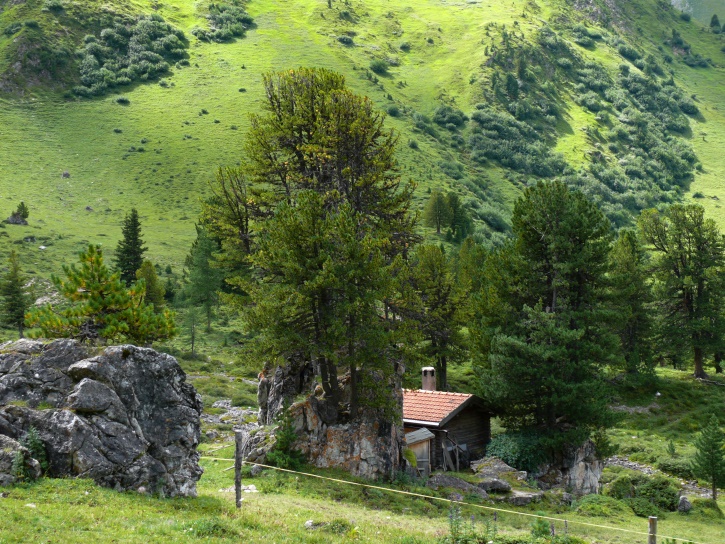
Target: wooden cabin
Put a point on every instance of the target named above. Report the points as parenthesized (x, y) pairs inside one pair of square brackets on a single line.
[(420, 442), (459, 422)]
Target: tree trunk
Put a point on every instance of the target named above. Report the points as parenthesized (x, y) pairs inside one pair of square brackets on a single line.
[(718, 360), (699, 370), (20, 331), (353, 392), (714, 491)]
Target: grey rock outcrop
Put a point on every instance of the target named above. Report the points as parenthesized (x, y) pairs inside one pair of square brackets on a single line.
[(577, 469), (443, 480), (125, 418), (16, 219), (494, 485), (9, 449)]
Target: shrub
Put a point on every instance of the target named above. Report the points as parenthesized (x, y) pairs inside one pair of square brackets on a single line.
[(393, 111), (680, 467), (685, 16), (345, 40), (36, 447), (564, 62), (628, 52), (643, 508), (283, 454), (31, 24), (412, 144), (123, 101), (600, 506), (660, 491), (12, 28), (212, 528), (53, 5), (447, 115), (379, 66), (521, 450), (405, 46)]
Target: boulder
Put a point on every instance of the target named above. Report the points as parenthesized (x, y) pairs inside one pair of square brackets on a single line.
[(443, 480), (16, 219), (684, 505), (494, 485), (125, 417), (493, 467)]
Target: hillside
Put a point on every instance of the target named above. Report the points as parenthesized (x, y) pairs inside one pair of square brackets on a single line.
[(443, 81)]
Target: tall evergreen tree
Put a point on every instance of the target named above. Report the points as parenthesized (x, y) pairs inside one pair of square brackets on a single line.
[(715, 23), (130, 249), (437, 212), (460, 221), (709, 460), (540, 328), (205, 280), (631, 300), (14, 298), (440, 309), (688, 266), (327, 213)]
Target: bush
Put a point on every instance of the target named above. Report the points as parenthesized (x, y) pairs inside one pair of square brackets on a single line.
[(643, 508), (12, 28), (521, 450), (123, 101), (447, 115), (379, 66), (685, 16), (393, 111), (345, 40), (628, 52), (405, 46), (680, 467), (660, 491), (283, 454), (36, 447), (600, 506)]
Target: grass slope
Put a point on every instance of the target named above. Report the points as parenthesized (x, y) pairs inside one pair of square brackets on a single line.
[(97, 141)]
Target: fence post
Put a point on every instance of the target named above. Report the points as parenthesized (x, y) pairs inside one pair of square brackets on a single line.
[(552, 530), (237, 472), (652, 538)]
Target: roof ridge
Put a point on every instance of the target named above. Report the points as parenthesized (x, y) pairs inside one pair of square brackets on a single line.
[(437, 392)]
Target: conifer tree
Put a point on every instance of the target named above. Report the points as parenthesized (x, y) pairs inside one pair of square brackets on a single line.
[(709, 460), (14, 298), (540, 326), (99, 307), (130, 249), (22, 210), (155, 292), (689, 284), (437, 212), (205, 280), (715, 23)]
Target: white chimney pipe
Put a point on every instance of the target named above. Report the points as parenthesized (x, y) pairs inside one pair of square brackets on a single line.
[(429, 378)]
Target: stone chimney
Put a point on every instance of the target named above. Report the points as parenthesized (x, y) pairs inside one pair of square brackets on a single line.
[(429, 378)]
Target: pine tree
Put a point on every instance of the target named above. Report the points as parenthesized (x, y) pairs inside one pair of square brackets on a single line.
[(22, 210), (99, 307), (689, 286), (715, 23), (631, 297), (437, 212), (460, 220), (130, 249), (155, 291), (709, 460), (15, 300), (540, 327), (205, 280)]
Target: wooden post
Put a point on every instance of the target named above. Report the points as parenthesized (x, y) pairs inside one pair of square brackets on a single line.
[(238, 473), (552, 530), (652, 538)]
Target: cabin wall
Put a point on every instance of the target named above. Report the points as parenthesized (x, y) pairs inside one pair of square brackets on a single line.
[(473, 428)]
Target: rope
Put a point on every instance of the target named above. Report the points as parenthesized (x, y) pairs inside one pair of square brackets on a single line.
[(480, 506)]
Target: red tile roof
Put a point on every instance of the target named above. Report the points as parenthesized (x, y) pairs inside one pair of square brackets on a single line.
[(431, 406)]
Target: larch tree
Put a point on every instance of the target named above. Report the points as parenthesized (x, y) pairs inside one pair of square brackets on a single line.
[(14, 298), (631, 299), (155, 291), (688, 267), (437, 212), (205, 279), (130, 249)]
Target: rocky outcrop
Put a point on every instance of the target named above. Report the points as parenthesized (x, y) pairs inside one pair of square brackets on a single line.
[(16, 219), (443, 480), (15, 458), (125, 418), (576, 469), (368, 447)]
